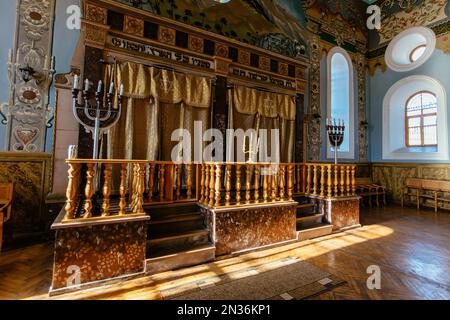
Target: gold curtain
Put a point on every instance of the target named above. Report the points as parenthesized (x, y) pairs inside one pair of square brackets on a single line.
[(255, 109), (157, 102)]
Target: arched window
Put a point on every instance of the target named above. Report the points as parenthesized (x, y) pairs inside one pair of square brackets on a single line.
[(341, 98), (421, 120)]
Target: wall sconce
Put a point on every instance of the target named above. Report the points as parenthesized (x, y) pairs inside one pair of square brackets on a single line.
[(27, 73)]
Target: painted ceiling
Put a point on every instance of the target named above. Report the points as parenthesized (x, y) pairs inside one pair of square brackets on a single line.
[(280, 26)]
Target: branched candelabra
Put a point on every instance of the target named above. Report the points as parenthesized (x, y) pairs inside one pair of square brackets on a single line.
[(100, 117), (335, 135)]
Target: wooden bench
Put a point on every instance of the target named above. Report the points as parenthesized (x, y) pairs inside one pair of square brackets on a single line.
[(365, 188), (6, 197), (426, 189)]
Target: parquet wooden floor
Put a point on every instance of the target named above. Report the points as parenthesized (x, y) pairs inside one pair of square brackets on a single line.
[(410, 247)]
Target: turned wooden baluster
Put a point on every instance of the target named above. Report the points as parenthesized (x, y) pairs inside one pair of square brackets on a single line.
[(228, 185), (330, 181), (282, 179), (131, 196), (212, 186), (218, 185), (353, 180), (202, 184), (247, 184), (189, 181), (89, 190), (298, 179), (322, 181), (178, 181), (206, 191), (308, 180), (238, 184), (72, 190), (315, 178), (151, 181), (342, 181), (290, 182), (162, 181), (336, 181), (107, 190), (140, 188), (347, 181), (257, 176), (273, 187), (265, 184), (123, 189)]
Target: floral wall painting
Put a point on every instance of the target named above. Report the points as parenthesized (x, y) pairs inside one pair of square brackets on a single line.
[(278, 26), (401, 15)]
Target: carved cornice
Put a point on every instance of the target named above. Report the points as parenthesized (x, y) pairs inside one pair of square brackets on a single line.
[(183, 44)]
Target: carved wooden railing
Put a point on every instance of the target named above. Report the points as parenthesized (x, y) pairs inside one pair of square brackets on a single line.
[(117, 188), (330, 180), (114, 188), (237, 184)]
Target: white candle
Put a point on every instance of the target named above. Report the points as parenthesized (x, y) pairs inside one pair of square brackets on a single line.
[(121, 90), (111, 87), (99, 88), (86, 85), (75, 81)]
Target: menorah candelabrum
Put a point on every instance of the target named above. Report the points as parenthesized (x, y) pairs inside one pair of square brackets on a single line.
[(102, 116), (335, 135)]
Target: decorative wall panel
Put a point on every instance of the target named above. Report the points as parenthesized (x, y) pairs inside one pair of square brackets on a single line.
[(30, 72), (314, 119), (31, 176), (362, 124), (393, 175)]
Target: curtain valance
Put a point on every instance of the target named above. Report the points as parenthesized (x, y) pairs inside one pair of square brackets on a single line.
[(267, 104), (142, 82)]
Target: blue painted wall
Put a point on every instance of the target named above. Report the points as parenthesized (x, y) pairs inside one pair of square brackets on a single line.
[(64, 41), (437, 67), (7, 29)]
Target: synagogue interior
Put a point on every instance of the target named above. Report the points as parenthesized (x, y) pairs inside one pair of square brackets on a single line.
[(224, 150)]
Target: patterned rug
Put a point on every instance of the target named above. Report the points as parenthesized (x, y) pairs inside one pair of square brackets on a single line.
[(287, 279)]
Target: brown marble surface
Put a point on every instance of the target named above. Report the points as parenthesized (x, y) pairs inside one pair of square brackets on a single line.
[(344, 213), (247, 228), (100, 252)]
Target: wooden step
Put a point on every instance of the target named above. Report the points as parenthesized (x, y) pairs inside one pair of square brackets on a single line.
[(178, 239), (174, 224), (175, 259), (165, 210), (305, 222), (174, 218), (319, 230), (305, 209)]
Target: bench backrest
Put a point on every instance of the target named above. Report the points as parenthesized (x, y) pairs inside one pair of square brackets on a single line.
[(428, 184), (6, 192), (363, 181)]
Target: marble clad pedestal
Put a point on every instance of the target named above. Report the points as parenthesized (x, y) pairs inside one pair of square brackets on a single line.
[(342, 213), (90, 253), (236, 229)]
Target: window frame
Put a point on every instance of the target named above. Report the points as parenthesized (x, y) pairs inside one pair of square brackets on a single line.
[(414, 50), (421, 116), (349, 127)]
